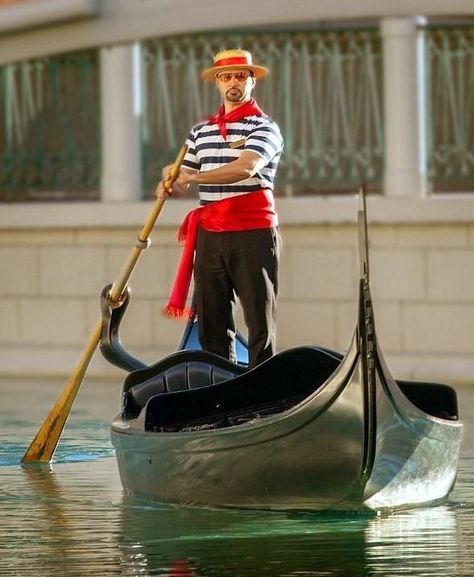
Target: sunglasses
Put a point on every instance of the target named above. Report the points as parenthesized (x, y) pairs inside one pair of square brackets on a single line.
[(239, 76)]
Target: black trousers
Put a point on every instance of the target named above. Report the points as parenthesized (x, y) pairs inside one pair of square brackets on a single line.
[(242, 264)]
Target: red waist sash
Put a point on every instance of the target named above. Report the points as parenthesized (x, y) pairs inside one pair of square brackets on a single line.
[(250, 211)]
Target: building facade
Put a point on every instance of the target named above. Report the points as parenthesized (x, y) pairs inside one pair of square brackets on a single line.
[(97, 96)]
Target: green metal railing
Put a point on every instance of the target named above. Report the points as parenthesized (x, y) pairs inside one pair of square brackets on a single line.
[(49, 134), (450, 107), (324, 90)]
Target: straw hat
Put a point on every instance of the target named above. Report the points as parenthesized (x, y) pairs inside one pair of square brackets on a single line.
[(233, 60)]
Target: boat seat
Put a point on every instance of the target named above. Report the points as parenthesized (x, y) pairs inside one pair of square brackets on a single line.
[(436, 399), (179, 372), (275, 385)]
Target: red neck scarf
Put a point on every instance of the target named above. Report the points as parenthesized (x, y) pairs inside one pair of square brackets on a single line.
[(249, 108)]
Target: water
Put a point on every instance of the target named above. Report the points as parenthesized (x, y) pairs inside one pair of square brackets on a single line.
[(73, 520)]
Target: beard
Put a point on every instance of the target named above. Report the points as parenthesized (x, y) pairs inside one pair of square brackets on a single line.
[(234, 95)]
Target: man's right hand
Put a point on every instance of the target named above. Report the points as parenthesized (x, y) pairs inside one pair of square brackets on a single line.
[(179, 186)]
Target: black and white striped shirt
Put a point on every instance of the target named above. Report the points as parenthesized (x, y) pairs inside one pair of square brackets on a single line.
[(207, 150)]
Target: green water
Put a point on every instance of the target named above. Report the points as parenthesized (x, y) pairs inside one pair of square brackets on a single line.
[(73, 519)]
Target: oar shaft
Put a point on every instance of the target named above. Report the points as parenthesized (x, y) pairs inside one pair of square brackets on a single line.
[(44, 444), (142, 241)]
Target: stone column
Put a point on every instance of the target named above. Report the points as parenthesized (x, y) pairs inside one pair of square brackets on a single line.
[(121, 116), (403, 62)]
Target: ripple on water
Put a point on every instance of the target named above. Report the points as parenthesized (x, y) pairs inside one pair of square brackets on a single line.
[(72, 519), (82, 440)]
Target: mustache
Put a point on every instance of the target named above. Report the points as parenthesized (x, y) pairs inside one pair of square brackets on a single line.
[(234, 88)]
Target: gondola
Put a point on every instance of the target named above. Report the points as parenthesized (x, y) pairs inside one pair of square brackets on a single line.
[(308, 429)]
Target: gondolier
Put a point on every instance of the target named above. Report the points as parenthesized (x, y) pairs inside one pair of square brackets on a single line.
[(232, 238)]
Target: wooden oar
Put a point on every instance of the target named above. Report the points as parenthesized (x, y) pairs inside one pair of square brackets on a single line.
[(44, 444)]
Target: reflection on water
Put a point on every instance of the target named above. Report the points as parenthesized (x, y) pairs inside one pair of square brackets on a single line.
[(228, 544), (72, 519)]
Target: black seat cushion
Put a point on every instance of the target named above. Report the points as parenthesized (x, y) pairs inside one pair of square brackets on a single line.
[(183, 376), (436, 399), (178, 372), (275, 385)]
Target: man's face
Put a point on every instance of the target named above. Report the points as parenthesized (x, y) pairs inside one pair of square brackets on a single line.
[(235, 86)]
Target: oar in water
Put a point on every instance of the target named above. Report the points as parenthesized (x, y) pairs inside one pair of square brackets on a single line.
[(44, 444)]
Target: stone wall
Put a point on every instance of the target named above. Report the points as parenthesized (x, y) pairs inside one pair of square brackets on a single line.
[(422, 279), (55, 258)]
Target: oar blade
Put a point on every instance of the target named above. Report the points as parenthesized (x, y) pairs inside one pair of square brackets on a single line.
[(41, 449)]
